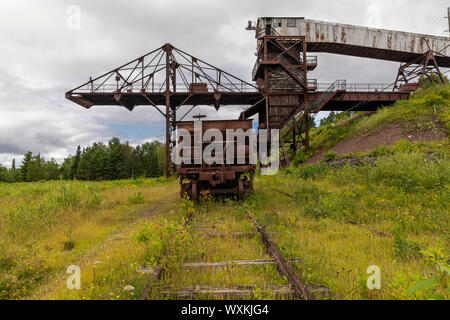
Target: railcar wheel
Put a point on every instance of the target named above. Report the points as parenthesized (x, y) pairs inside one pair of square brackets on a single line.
[(240, 189), (194, 191), (184, 188)]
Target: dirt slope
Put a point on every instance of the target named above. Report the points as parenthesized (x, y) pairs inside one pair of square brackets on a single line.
[(388, 135)]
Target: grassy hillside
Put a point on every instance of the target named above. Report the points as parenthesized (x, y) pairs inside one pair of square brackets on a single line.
[(426, 113)]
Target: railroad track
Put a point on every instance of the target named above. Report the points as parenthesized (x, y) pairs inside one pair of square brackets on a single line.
[(296, 289)]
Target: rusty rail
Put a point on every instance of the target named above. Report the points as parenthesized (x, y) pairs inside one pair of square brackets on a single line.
[(300, 289), (156, 275)]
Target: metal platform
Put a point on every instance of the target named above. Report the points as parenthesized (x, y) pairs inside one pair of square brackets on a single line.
[(360, 100)]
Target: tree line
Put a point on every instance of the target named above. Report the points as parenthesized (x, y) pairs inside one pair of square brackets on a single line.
[(111, 161)]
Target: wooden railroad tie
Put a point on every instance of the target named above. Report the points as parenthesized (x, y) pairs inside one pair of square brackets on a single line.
[(280, 291)]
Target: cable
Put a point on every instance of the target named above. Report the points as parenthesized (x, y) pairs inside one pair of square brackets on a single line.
[(435, 24)]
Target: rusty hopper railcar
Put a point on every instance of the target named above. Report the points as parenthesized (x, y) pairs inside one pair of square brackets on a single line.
[(217, 178)]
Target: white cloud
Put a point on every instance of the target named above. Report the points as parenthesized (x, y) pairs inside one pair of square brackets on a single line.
[(41, 58)]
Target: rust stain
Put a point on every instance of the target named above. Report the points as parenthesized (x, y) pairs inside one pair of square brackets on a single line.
[(389, 41), (307, 30), (343, 36), (335, 32), (413, 42)]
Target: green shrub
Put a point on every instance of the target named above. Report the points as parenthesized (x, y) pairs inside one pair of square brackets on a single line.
[(68, 245), (330, 155), (411, 172), (300, 158), (137, 198), (311, 170), (402, 145), (380, 151), (67, 197), (167, 244), (288, 245), (403, 247)]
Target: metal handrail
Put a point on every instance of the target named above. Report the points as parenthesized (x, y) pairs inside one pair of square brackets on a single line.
[(312, 84), (335, 86), (261, 32), (137, 88), (358, 87)]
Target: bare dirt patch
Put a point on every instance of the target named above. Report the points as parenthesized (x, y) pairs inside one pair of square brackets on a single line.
[(388, 135)]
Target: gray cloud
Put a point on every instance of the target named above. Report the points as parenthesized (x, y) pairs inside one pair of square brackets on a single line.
[(40, 58)]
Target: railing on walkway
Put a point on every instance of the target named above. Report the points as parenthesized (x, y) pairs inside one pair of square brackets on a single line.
[(161, 87)]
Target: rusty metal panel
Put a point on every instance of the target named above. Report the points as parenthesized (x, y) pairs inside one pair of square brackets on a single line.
[(284, 100), (198, 88)]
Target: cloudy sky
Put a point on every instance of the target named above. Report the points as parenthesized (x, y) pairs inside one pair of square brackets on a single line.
[(41, 58)]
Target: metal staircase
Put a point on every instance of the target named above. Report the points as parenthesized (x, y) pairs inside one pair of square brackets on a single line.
[(328, 94), (299, 118)]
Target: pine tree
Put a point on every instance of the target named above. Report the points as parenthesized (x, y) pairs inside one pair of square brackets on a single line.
[(13, 166), (24, 169), (65, 168), (154, 170), (76, 162)]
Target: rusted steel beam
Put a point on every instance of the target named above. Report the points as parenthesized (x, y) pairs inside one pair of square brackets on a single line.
[(294, 113), (411, 75), (168, 50), (298, 121), (299, 287), (251, 110)]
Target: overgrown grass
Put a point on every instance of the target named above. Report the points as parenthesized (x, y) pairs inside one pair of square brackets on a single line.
[(345, 219), (339, 221), (44, 227)]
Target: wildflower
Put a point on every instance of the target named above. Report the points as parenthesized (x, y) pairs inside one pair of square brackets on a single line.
[(129, 288)]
